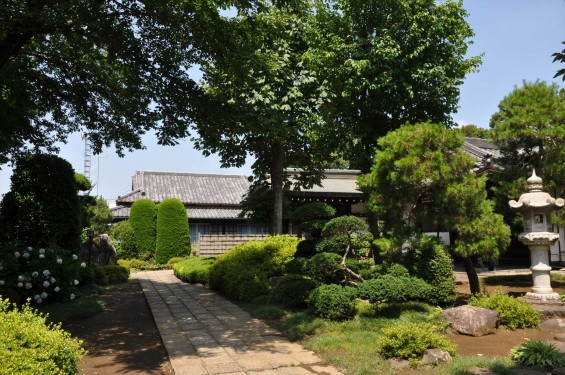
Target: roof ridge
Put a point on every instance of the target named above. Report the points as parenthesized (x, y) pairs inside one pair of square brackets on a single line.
[(193, 174)]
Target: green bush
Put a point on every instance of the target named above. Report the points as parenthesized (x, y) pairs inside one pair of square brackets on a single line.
[(311, 217), (333, 302), (28, 346), (296, 265), (173, 234), (174, 260), (306, 248), (142, 219), (410, 340), (243, 272), (292, 290), (268, 312), (105, 275), (429, 260), (513, 313), (194, 270), (325, 268), (390, 288), (393, 269), (537, 354), (126, 245)]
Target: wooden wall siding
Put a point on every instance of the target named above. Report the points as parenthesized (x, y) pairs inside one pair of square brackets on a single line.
[(217, 244)]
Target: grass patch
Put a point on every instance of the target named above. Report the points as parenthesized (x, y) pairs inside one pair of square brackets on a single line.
[(462, 365), (87, 304)]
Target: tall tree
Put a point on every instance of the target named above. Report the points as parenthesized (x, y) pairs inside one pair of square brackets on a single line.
[(529, 129), (421, 172), (114, 69), (389, 62), (265, 101)]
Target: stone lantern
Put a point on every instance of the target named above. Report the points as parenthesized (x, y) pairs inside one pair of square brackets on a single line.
[(536, 207)]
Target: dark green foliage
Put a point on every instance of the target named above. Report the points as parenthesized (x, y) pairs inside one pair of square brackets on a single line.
[(306, 248), (393, 269), (268, 312), (173, 234), (99, 216), (29, 346), (513, 313), (311, 217), (410, 340), (429, 260), (83, 183), (325, 268), (390, 288), (333, 302), (142, 219), (538, 354), (126, 244), (292, 290), (296, 265), (104, 275), (243, 272), (42, 207), (194, 270)]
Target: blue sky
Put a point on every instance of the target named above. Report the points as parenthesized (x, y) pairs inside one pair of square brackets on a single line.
[(517, 38)]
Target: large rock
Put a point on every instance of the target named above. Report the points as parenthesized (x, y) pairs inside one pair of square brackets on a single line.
[(103, 251), (553, 325), (471, 320), (436, 356)]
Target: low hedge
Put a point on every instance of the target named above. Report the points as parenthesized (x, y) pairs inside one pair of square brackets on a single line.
[(104, 275), (388, 288), (29, 346), (292, 290), (243, 272), (194, 270), (333, 302)]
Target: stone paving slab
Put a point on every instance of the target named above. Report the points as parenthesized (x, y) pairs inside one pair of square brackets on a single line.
[(205, 334)]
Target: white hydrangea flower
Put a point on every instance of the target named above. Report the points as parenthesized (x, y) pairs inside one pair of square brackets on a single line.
[(21, 278), (46, 273), (83, 265), (28, 286), (59, 260), (36, 297), (72, 296), (41, 251), (1, 282), (41, 256), (16, 254), (57, 289), (29, 248), (75, 257), (52, 280), (75, 282), (26, 255), (44, 295), (46, 283), (20, 285), (35, 274), (39, 300)]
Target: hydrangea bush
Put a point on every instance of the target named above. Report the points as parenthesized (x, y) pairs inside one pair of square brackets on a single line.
[(39, 274)]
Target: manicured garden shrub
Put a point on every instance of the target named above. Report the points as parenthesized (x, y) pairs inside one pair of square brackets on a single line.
[(296, 265), (126, 244), (393, 269), (325, 268), (537, 354), (429, 260), (311, 217), (43, 275), (194, 270), (292, 290), (143, 221), (42, 208), (28, 346), (243, 272), (410, 340), (104, 275), (173, 234), (513, 313), (174, 260), (388, 288), (333, 302), (306, 248)]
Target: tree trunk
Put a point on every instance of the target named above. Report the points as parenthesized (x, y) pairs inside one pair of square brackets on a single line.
[(277, 172), (472, 275)]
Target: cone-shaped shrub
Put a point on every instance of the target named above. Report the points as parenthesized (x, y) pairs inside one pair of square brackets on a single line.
[(142, 220), (173, 235)]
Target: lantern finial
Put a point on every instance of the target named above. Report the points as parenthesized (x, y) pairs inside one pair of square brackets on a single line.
[(535, 183)]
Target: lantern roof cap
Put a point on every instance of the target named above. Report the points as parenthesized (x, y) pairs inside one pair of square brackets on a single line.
[(535, 198)]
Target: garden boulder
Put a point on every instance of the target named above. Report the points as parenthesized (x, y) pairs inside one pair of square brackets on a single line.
[(471, 320), (436, 356), (103, 251), (553, 325)]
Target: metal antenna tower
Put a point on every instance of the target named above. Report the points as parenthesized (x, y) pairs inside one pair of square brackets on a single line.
[(87, 156)]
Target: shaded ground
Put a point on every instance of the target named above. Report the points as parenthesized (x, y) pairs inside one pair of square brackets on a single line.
[(123, 338)]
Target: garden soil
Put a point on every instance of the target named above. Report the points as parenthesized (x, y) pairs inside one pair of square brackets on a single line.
[(123, 338)]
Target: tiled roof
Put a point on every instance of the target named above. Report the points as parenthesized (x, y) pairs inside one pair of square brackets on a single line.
[(336, 182), (480, 148), (122, 212), (190, 188)]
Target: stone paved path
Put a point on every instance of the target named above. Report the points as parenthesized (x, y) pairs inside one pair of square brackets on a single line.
[(206, 334)]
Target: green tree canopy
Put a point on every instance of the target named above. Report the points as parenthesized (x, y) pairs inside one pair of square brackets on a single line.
[(173, 234), (421, 171), (113, 69)]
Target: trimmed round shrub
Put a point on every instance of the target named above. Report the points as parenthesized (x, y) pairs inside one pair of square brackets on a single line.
[(173, 234), (333, 302), (306, 248), (126, 245), (325, 268), (311, 217), (194, 270), (537, 354), (142, 219), (429, 260), (296, 265), (29, 346), (513, 313), (292, 290), (243, 272), (390, 288), (410, 340)]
